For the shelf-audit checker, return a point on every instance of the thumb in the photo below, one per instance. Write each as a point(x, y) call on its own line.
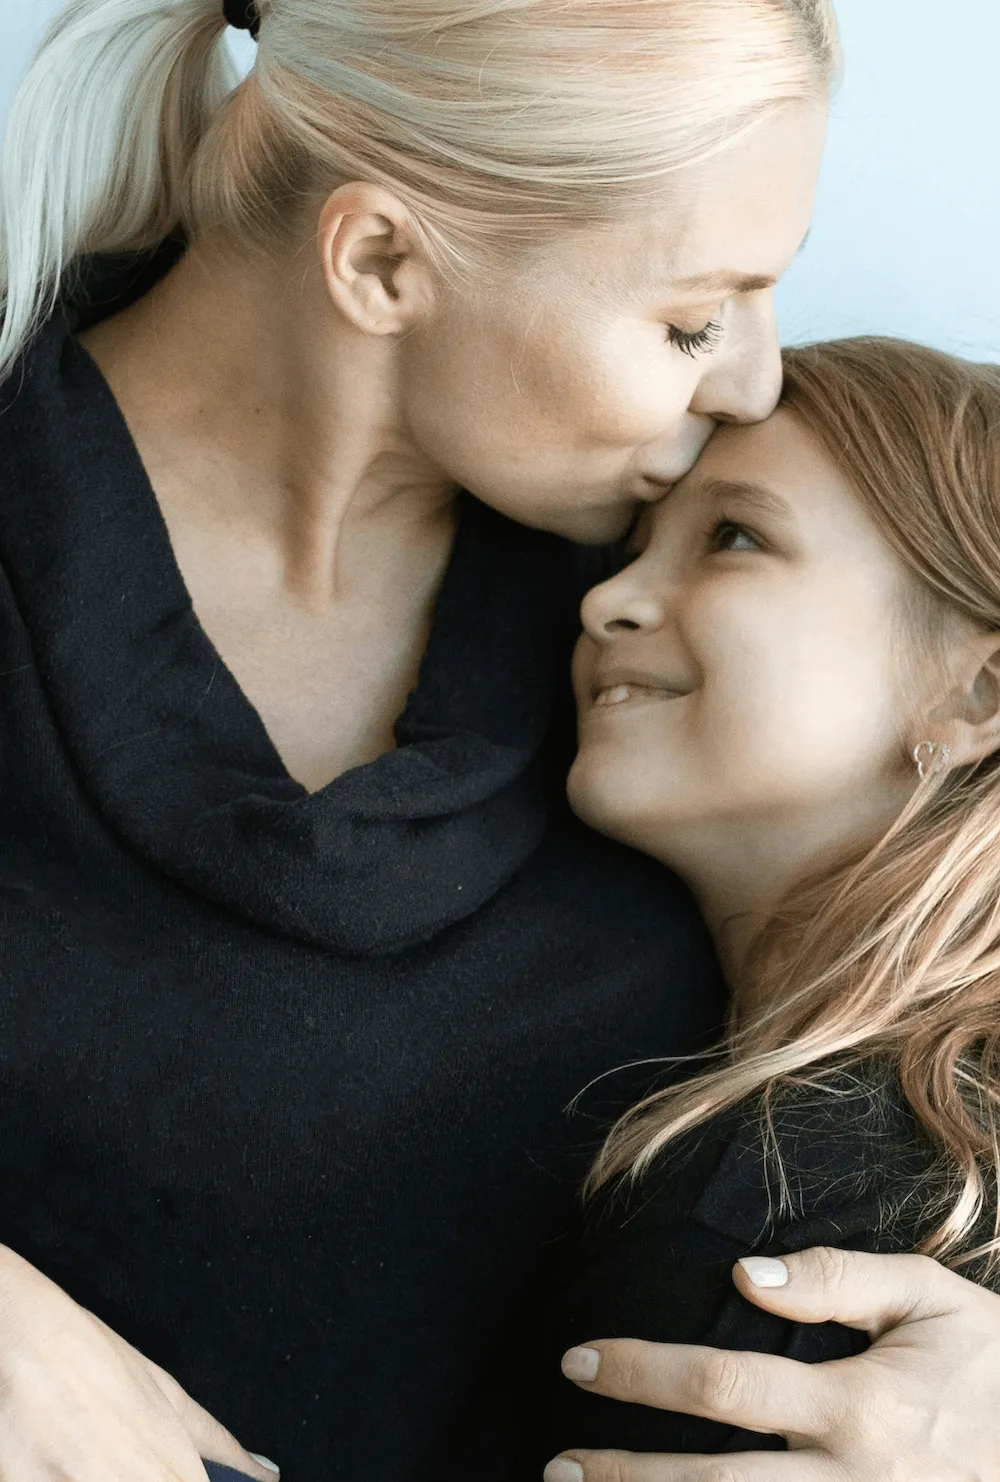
point(870, 1292)
point(210, 1439)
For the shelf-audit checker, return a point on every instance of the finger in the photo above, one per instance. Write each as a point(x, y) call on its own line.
point(870, 1292)
point(210, 1439)
point(756, 1391)
point(635, 1466)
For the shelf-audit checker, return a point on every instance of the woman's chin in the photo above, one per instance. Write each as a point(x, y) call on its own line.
point(600, 525)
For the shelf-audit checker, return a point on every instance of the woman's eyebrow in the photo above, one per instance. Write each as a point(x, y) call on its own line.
point(757, 495)
point(730, 282)
point(723, 282)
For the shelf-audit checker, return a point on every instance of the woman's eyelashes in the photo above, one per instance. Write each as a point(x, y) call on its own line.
point(696, 342)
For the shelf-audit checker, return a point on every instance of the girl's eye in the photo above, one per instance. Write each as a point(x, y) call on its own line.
point(700, 342)
point(728, 536)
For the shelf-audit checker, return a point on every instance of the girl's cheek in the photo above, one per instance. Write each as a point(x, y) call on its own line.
point(582, 666)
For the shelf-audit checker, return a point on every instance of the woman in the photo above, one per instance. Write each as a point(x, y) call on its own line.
point(792, 697)
point(303, 956)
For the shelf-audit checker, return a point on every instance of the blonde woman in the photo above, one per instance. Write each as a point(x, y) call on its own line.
point(792, 697)
point(302, 956)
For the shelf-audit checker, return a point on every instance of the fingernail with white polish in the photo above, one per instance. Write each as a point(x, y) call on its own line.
point(765, 1270)
point(562, 1470)
point(266, 1462)
point(581, 1364)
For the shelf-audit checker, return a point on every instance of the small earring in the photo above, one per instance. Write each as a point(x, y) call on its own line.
point(936, 753)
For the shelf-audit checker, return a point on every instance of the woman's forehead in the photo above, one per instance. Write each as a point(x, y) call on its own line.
point(734, 223)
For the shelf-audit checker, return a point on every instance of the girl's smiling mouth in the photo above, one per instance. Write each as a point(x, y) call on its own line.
point(618, 687)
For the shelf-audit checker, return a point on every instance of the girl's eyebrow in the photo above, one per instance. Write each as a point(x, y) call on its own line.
point(757, 495)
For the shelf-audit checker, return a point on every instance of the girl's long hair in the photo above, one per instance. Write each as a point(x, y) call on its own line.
point(495, 121)
point(891, 958)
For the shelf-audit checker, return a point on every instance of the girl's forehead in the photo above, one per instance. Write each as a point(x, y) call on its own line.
point(775, 470)
point(772, 455)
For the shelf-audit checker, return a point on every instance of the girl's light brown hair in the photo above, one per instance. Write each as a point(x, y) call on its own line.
point(894, 957)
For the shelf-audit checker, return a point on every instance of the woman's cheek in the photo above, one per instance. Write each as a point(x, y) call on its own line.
point(632, 389)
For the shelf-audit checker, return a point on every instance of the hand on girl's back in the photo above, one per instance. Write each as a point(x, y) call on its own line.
point(921, 1404)
point(79, 1404)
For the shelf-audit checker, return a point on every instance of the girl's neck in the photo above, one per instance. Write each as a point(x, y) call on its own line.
point(740, 873)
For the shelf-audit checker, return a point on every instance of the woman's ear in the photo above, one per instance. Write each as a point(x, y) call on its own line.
point(969, 720)
point(373, 261)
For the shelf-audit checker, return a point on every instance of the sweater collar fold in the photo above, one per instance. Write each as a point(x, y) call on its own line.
point(172, 753)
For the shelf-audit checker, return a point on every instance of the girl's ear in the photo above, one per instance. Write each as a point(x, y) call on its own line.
point(969, 720)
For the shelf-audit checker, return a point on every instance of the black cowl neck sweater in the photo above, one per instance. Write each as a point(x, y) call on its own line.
point(284, 1076)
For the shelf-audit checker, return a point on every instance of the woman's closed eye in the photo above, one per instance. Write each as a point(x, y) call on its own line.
point(695, 342)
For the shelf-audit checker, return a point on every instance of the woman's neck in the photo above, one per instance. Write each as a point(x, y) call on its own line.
point(311, 535)
point(242, 366)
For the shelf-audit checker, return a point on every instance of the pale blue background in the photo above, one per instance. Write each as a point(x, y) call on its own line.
point(907, 233)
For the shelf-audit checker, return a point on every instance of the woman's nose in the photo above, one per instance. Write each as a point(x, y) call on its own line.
point(620, 605)
point(744, 383)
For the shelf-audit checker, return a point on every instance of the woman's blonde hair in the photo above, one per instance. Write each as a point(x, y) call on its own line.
point(892, 958)
point(495, 121)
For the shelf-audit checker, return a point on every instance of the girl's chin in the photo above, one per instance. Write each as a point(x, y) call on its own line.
point(610, 800)
point(604, 807)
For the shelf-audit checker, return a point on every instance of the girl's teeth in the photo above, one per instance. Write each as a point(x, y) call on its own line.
point(616, 696)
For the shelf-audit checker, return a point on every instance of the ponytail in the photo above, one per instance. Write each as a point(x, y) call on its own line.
point(98, 142)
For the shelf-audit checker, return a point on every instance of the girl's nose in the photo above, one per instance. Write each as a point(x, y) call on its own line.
point(620, 605)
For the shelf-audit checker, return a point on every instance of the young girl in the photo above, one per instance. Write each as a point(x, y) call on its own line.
point(791, 696)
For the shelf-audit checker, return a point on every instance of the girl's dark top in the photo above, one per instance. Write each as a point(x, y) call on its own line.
point(284, 1077)
point(656, 1256)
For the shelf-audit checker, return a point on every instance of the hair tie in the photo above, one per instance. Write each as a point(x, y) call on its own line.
point(243, 15)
